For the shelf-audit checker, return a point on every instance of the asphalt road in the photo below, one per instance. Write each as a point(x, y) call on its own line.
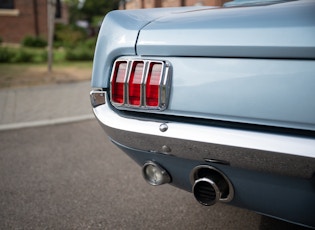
point(71, 177)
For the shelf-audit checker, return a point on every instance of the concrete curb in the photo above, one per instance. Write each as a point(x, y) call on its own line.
point(56, 121)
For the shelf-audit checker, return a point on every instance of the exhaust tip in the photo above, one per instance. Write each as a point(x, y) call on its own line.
point(154, 174)
point(206, 191)
point(210, 185)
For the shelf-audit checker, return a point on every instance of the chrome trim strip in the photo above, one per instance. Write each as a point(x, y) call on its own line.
point(144, 83)
point(288, 155)
point(165, 86)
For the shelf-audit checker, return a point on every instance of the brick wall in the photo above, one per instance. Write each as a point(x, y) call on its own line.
point(25, 19)
point(206, 2)
point(171, 3)
point(137, 4)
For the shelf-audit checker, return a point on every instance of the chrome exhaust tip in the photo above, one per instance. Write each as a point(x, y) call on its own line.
point(206, 191)
point(210, 185)
point(154, 174)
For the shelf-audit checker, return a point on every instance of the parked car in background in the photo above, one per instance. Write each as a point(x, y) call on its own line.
point(219, 102)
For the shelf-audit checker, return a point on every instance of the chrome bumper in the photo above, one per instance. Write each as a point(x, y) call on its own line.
point(266, 152)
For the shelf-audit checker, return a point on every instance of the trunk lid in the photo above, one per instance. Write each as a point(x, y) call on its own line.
point(245, 64)
point(284, 30)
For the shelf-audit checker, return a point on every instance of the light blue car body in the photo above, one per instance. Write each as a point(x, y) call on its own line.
point(253, 65)
point(248, 69)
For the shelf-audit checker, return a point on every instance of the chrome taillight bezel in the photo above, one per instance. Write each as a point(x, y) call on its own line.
point(164, 84)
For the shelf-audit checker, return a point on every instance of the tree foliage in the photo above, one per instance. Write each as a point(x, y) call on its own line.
point(96, 7)
point(89, 9)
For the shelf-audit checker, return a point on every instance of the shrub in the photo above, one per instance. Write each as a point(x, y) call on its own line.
point(68, 36)
point(5, 54)
point(90, 43)
point(43, 56)
point(39, 56)
point(30, 41)
point(21, 55)
point(79, 54)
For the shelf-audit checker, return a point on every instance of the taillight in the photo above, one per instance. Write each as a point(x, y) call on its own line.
point(140, 84)
point(135, 83)
point(118, 82)
point(152, 96)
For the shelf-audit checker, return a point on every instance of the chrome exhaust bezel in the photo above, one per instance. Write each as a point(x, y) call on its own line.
point(194, 178)
point(215, 188)
point(166, 176)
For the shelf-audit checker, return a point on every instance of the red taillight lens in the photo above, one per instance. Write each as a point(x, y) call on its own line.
point(118, 82)
point(153, 84)
point(134, 88)
point(140, 84)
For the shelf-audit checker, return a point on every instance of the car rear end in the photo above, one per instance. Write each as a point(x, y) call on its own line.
point(215, 101)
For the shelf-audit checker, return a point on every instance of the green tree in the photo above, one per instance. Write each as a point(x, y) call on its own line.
point(74, 11)
point(89, 9)
point(93, 8)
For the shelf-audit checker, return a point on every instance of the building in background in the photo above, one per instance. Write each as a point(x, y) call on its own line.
point(21, 18)
point(139, 4)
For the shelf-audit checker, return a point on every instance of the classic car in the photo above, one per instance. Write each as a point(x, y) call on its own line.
point(217, 101)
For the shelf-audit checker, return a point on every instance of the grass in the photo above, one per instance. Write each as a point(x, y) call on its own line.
point(36, 72)
point(31, 74)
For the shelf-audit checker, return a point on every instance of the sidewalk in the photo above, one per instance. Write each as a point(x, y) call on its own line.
point(43, 105)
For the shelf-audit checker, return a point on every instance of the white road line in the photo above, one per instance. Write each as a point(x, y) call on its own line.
point(55, 121)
